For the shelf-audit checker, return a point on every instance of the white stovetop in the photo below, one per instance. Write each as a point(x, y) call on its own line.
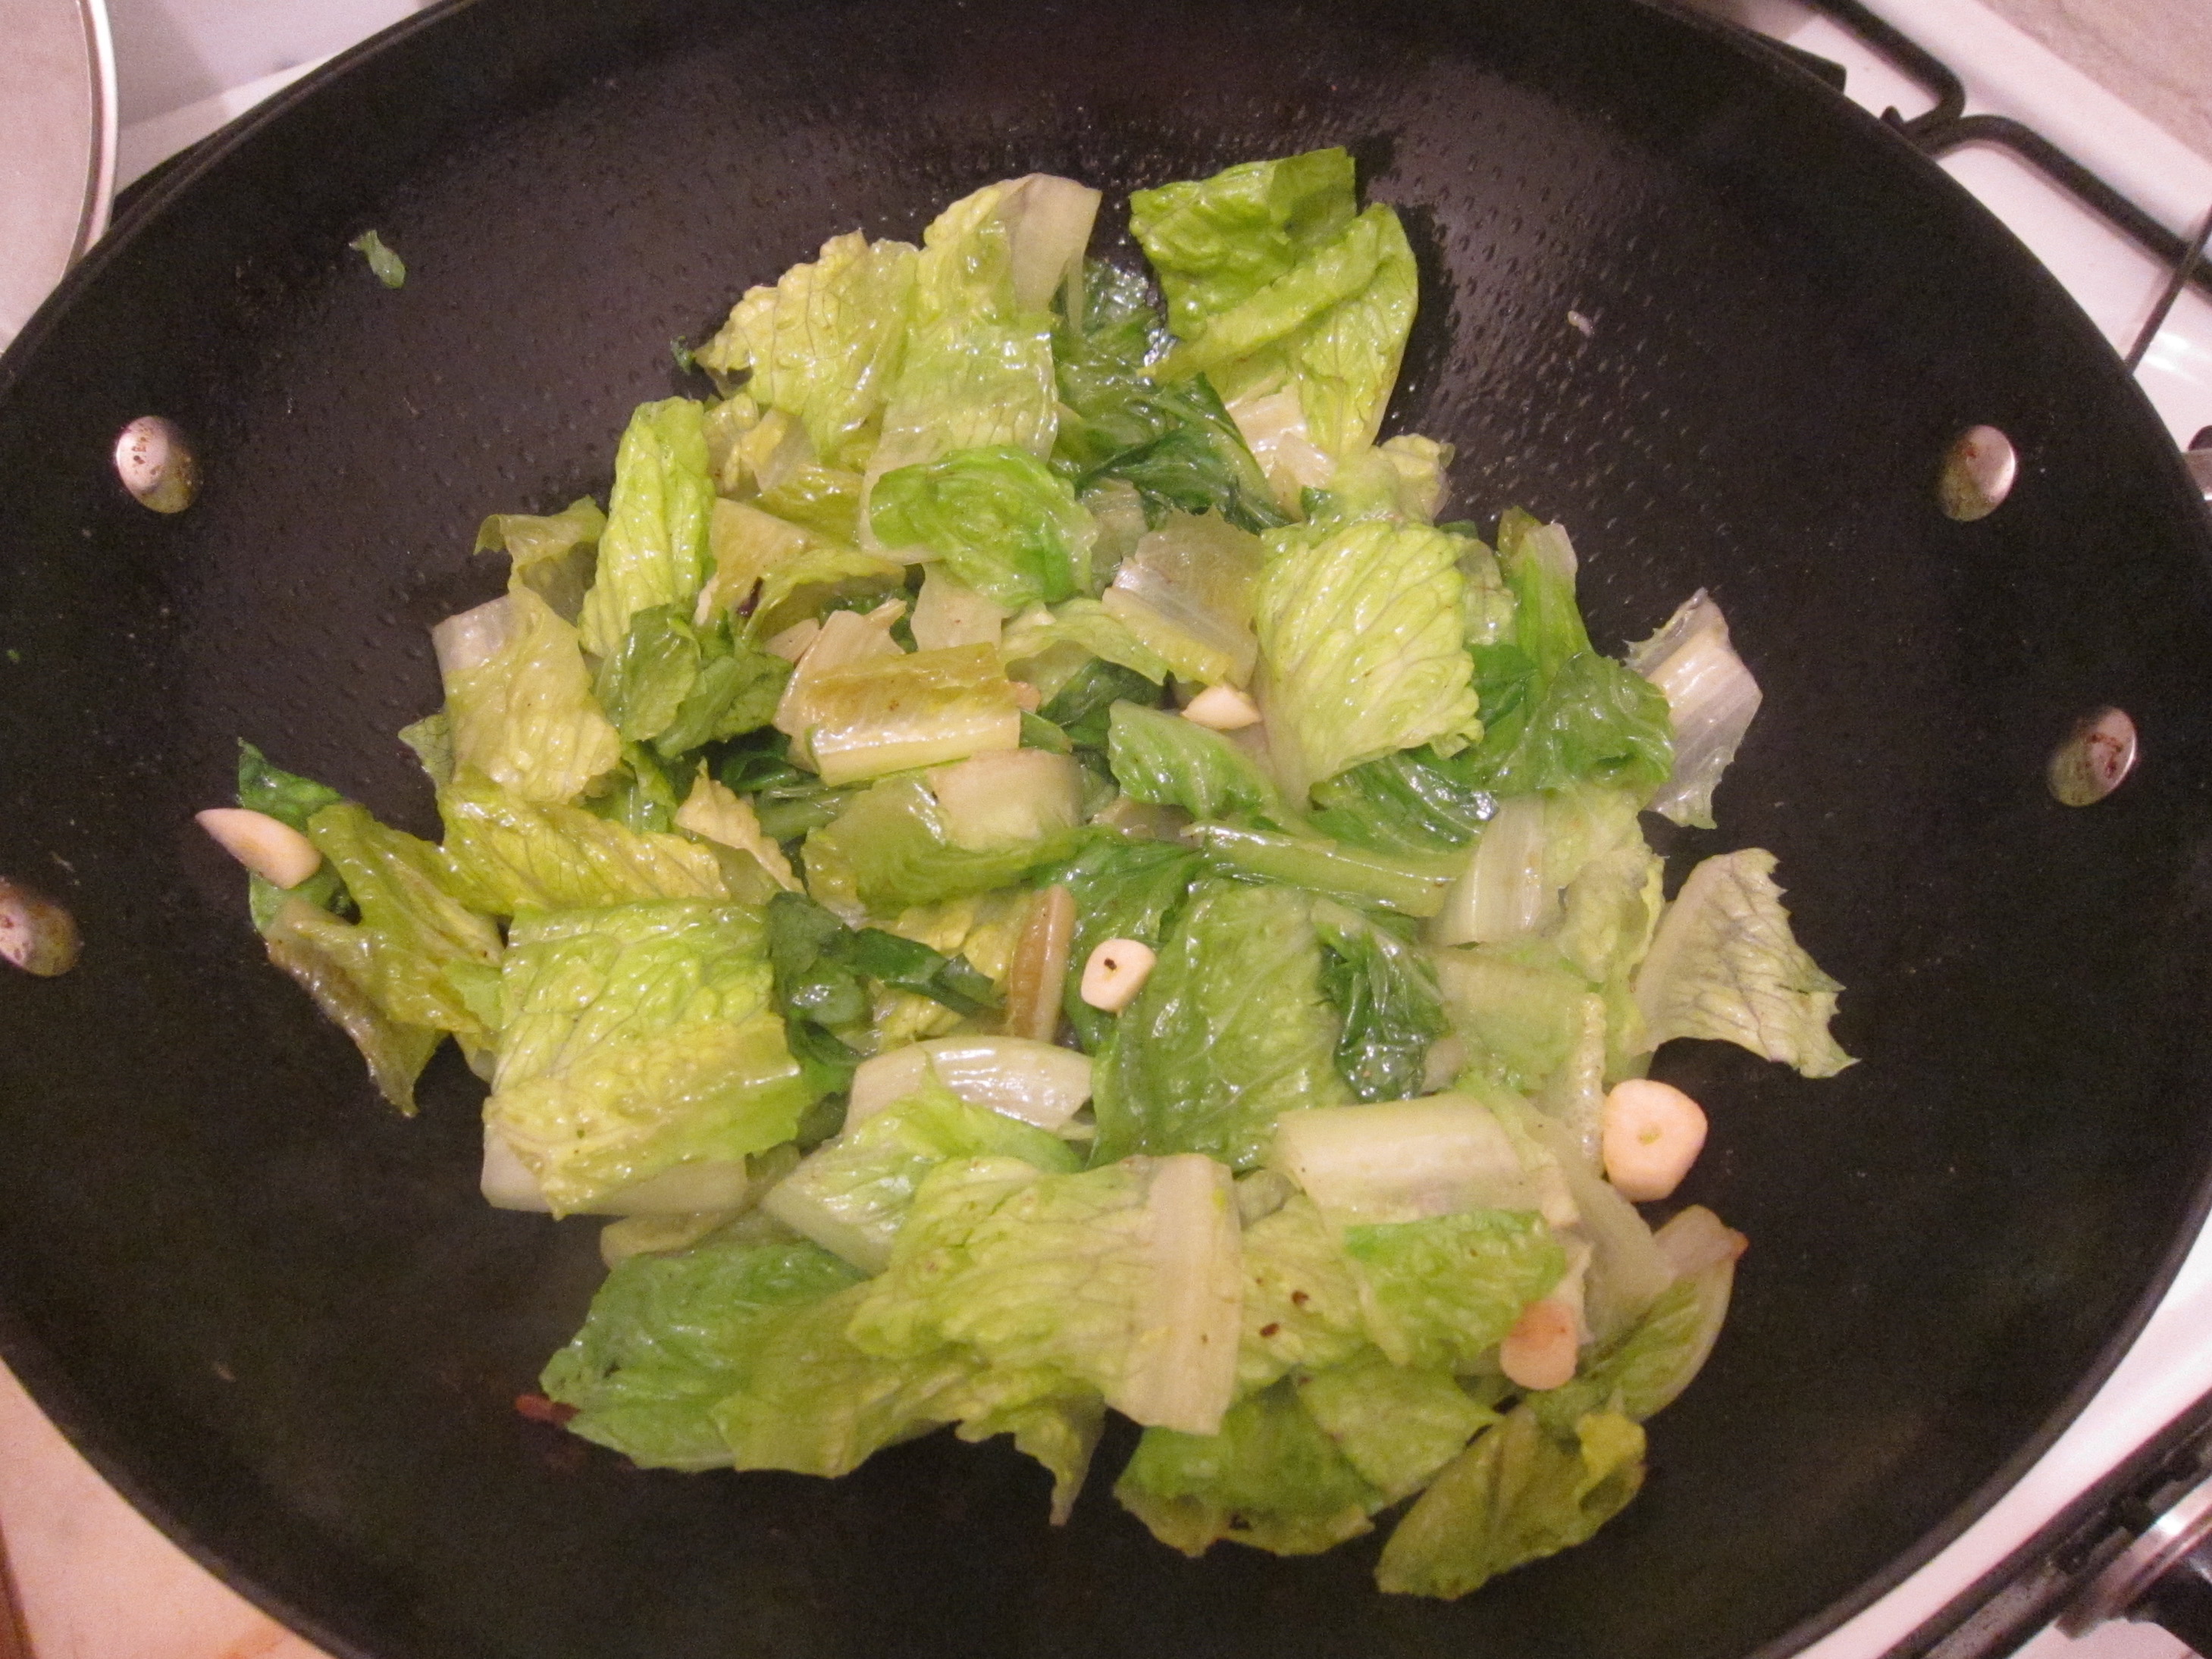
point(98, 1581)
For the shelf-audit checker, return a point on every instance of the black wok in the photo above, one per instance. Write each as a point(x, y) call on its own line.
point(280, 1319)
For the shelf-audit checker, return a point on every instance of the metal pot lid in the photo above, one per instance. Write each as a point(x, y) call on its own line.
point(56, 145)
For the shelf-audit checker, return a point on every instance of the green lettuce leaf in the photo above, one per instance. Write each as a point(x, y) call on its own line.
point(654, 551)
point(1386, 990)
point(1518, 1008)
point(1001, 522)
point(335, 962)
point(1302, 1297)
point(669, 1336)
point(1124, 1279)
point(892, 713)
point(1517, 1495)
point(551, 554)
point(1185, 592)
point(635, 1037)
point(1414, 802)
point(519, 699)
point(1231, 1029)
point(1554, 711)
point(292, 799)
point(889, 847)
point(507, 855)
point(1082, 627)
point(1122, 889)
point(425, 948)
point(1725, 965)
point(1438, 1294)
point(1397, 1427)
point(1166, 761)
point(1083, 706)
point(1273, 279)
point(1412, 886)
point(678, 686)
point(1272, 1478)
point(1175, 444)
point(1645, 1369)
point(1360, 633)
point(826, 343)
point(852, 1195)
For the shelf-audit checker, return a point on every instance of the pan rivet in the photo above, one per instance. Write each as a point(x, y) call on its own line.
point(157, 464)
point(36, 933)
point(1979, 471)
point(2097, 755)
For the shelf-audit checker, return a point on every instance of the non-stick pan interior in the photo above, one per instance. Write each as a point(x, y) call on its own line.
point(283, 1319)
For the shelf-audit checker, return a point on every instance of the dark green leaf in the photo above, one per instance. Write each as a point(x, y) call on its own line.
point(1122, 890)
point(1414, 801)
point(1387, 993)
point(1080, 707)
point(285, 796)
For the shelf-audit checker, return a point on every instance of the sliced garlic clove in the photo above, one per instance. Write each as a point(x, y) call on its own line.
point(1222, 709)
point(1650, 1133)
point(1540, 1352)
point(1116, 972)
point(273, 849)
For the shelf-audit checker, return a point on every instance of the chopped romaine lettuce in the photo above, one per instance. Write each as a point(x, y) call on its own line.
point(654, 551)
point(892, 714)
point(1397, 1427)
point(889, 847)
point(551, 554)
point(508, 855)
point(1414, 801)
point(334, 962)
point(1000, 518)
point(1185, 592)
point(1439, 1294)
point(1122, 889)
point(1724, 964)
point(1712, 696)
point(290, 800)
point(1230, 1030)
point(1386, 991)
point(519, 699)
point(1361, 632)
point(1167, 760)
point(1302, 1297)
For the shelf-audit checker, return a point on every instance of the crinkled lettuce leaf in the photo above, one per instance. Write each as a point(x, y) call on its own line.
point(1360, 633)
point(1302, 1297)
point(889, 847)
point(519, 699)
point(1385, 989)
point(1173, 442)
point(654, 551)
point(998, 518)
point(824, 344)
point(1165, 760)
point(851, 1194)
point(1273, 1479)
point(508, 855)
point(1397, 1427)
point(551, 554)
point(1274, 279)
point(335, 962)
point(1438, 1293)
point(1414, 802)
point(1231, 1029)
point(668, 1336)
point(678, 686)
point(1724, 964)
point(1517, 1495)
point(1122, 889)
point(635, 1037)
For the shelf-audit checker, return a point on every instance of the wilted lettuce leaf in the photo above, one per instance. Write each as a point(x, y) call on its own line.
point(1231, 1029)
point(1272, 1478)
point(1174, 443)
point(866, 718)
point(977, 369)
point(1515, 1495)
point(1554, 711)
point(1273, 279)
point(668, 1336)
point(523, 715)
point(1437, 1293)
point(507, 855)
point(851, 1194)
point(551, 554)
point(678, 686)
point(1644, 1369)
point(1519, 1009)
point(423, 941)
point(1122, 889)
point(1397, 1427)
point(1724, 964)
point(1361, 636)
point(1302, 1297)
point(1107, 1277)
point(289, 799)
point(889, 848)
point(1412, 885)
point(1081, 626)
point(654, 551)
point(1386, 990)
point(335, 962)
point(1186, 592)
point(1083, 706)
point(635, 1037)
point(1000, 520)
point(1414, 801)
point(826, 343)
point(1165, 760)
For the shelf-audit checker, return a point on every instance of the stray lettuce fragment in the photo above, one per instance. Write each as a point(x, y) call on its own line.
point(519, 701)
point(1231, 1029)
point(1273, 1479)
point(1001, 521)
point(1166, 761)
point(389, 268)
point(851, 1195)
point(1712, 696)
point(1386, 990)
point(1126, 1279)
point(636, 1037)
point(551, 554)
point(654, 551)
point(1361, 631)
point(1724, 964)
point(1517, 1495)
point(1275, 281)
